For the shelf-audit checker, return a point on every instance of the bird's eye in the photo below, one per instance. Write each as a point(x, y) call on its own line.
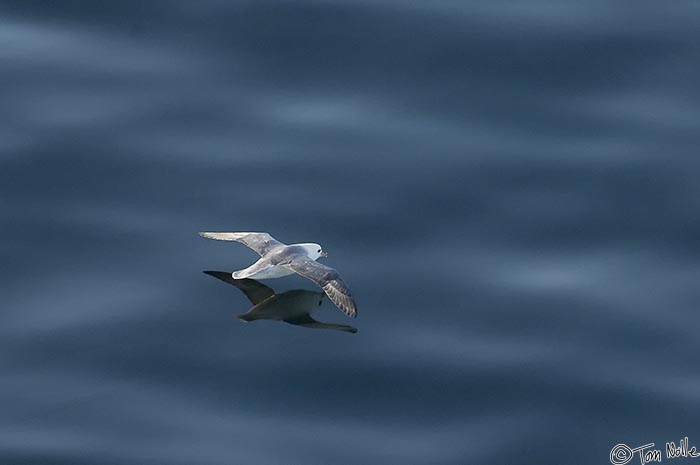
point(319, 250)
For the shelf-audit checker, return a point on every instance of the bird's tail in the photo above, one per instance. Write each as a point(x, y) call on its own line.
point(247, 317)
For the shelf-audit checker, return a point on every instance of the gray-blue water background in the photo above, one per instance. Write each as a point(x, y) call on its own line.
point(509, 188)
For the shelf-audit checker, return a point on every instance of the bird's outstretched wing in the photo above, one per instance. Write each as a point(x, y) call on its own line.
point(326, 277)
point(255, 291)
point(308, 322)
point(258, 241)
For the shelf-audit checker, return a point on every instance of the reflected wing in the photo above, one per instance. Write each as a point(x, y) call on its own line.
point(308, 322)
point(329, 280)
point(255, 291)
point(258, 241)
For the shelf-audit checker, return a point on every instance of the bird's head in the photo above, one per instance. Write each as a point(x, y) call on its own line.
point(314, 251)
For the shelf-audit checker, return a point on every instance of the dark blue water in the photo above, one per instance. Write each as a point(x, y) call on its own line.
point(509, 189)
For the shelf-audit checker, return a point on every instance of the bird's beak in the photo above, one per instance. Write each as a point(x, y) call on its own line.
point(324, 254)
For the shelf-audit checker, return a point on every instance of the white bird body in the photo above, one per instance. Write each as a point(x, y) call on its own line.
point(278, 260)
point(267, 273)
point(272, 266)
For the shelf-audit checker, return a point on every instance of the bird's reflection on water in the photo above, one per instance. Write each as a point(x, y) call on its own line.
point(293, 307)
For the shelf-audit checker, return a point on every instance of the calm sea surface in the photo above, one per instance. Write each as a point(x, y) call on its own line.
point(510, 189)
